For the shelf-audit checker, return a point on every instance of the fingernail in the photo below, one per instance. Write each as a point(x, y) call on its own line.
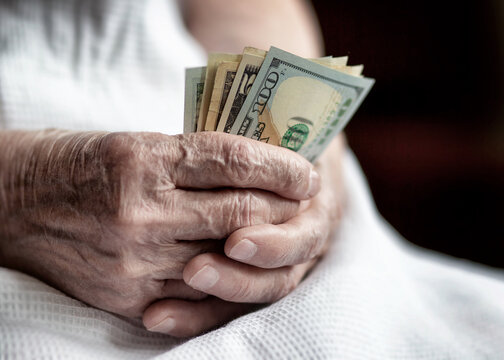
point(244, 250)
point(165, 326)
point(204, 279)
point(314, 186)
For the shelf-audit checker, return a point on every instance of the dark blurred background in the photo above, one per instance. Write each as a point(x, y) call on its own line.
point(430, 135)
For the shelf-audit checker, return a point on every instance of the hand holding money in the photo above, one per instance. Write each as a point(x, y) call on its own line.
point(264, 262)
point(275, 97)
point(127, 225)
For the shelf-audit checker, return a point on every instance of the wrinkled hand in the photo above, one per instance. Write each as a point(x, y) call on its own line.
point(264, 262)
point(113, 218)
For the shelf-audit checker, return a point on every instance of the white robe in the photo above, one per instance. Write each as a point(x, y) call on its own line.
point(118, 65)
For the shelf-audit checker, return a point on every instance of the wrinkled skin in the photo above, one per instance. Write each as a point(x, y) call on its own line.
point(113, 218)
point(285, 253)
point(125, 221)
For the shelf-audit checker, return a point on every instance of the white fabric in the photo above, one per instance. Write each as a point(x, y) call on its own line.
point(93, 64)
point(372, 297)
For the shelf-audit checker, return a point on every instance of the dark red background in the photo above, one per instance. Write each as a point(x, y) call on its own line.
point(430, 136)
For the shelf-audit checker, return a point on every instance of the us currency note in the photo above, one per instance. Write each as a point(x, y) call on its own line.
point(298, 104)
point(249, 67)
point(213, 62)
point(195, 79)
point(224, 77)
point(194, 83)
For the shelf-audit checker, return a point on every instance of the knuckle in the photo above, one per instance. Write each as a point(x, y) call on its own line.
point(184, 152)
point(198, 152)
point(240, 159)
point(119, 154)
point(289, 209)
point(119, 149)
point(278, 253)
point(134, 175)
point(298, 176)
point(241, 212)
point(248, 209)
point(281, 257)
point(97, 165)
point(276, 210)
point(241, 291)
point(128, 269)
point(295, 174)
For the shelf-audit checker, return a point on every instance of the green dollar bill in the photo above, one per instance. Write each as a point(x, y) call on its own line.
point(249, 67)
point(298, 104)
point(224, 77)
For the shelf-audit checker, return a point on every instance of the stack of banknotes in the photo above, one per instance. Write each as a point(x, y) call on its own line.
point(275, 97)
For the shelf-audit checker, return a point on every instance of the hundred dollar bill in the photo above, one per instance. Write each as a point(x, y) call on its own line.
point(249, 67)
point(224, 77)
point(194, 81)
point(213, 62)
point(298, 104)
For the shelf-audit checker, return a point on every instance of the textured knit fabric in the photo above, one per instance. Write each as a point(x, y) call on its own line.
point(118, 65)
point(93, 64)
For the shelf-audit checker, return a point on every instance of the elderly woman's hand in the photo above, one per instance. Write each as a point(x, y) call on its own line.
point(113, 218)
point(264, 262)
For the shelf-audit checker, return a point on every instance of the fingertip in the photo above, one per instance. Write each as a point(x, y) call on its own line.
point(183, 319)
point(165, 326)
point(243, 250)
point(193, 266)
point(256, 246)
point(200, 273)
point(172, 317)
point(158, 319)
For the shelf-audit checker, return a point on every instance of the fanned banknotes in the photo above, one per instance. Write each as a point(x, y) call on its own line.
point(275, 97)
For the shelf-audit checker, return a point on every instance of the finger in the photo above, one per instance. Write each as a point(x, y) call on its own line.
point(185, 318)
point(300, 239)
point(213, 159)
point(216, 214)
point(233, 281)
